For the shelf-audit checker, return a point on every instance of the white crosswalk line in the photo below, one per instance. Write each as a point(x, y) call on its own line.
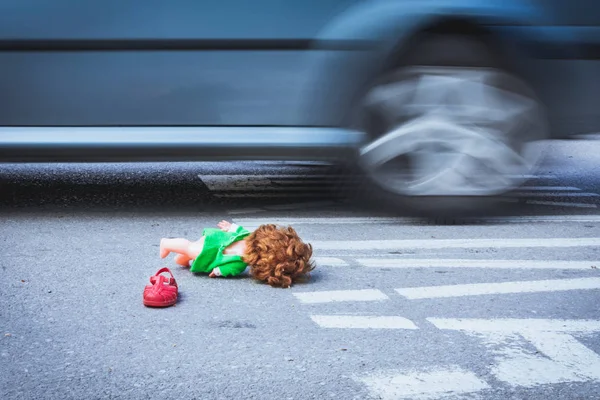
point(531, 177)
point(430, 384)
point(537, 194)
point(559, 357)
point(250, 210)
point(253, 223)
point(269, 186)
point(549, 189)
point(341, 295)
point(363, 322)
point(330, 262)
point(562, 204)
point(402, 263)
point(476, 289)
point(259, 182)
point(299, 206)
point(513, 325)
point(497, 243)
point(282, 195)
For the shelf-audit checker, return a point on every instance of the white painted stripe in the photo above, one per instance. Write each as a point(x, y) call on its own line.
point(566, 351)
point(559, 357)
point(561, 194)
point(358, 245)
point(470, 263)
point(300, 206)
point(303, 194)
point(325, 221)
point(476, 289)
point(245, 211)
point(408, 220)
point(363, 322)
point(561, 204)
point(432, 384)
point(296, 162)
point(262, 182)
point(333, 262)
point(279, 207)
point(341, 295)
point(549, 188)
point(274, 190)
point(545, 176)
point(540, 218)
point(515, 325)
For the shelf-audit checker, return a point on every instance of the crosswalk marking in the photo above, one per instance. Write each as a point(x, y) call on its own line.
point(245, 182)
point(308, 186)
point(559, 356)
point(282, 195)
point(562, 204)
point(471, 263)
point(475, 289)
point(249, 210)
point(261, 182)
point(429, 384)
point(514, 325)
point(331, 261)
point(270, 186)
point(523, 353)
point(569, 361)
point(305, 205)
point(363, 322)
point(531, 176)
point(536, 194)
point(341, 295)
point(550, 189)
point(299, 206)
point(253, 223)
point(325, 220)
point(498, 243)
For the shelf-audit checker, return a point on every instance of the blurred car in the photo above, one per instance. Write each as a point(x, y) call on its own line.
point(432, 99)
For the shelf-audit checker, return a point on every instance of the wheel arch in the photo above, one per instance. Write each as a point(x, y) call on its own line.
point(394, 28)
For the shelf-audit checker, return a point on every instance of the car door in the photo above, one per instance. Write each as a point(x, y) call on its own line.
point(571, 62)
point(157, 62)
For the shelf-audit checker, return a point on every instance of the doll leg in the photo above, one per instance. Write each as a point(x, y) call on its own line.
point(183, 260)
point(181, 246)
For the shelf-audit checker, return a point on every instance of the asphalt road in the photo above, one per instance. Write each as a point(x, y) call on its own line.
point(513, 315)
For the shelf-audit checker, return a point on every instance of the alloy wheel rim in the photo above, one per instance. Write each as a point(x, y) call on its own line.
point(445, 131)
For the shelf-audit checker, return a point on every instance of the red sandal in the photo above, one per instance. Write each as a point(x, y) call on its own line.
point(163, 290)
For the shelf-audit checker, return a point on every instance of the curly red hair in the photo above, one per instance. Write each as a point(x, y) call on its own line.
point(277, 255)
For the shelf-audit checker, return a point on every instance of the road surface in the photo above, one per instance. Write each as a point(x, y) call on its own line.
point(499, 307)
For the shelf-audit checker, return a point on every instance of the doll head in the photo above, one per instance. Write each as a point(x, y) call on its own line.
point(277, 255)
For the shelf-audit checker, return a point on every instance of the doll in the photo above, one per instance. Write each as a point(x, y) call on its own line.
point(276, 255)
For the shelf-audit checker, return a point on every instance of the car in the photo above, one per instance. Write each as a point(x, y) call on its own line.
point(434, 100)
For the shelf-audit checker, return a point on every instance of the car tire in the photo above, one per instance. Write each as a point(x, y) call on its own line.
point(450, 129)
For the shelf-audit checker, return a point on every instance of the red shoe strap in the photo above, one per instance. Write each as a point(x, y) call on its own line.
point(164, 269)
point(169, 280)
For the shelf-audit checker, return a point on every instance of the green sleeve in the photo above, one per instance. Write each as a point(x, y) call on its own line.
point(232, 268)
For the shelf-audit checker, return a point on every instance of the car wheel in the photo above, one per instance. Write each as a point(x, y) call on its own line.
point(450, 127)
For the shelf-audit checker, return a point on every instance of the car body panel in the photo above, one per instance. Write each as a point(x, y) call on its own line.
point(265, 63)
point(152, 143)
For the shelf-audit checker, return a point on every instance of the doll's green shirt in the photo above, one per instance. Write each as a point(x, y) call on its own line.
point(211, 257)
